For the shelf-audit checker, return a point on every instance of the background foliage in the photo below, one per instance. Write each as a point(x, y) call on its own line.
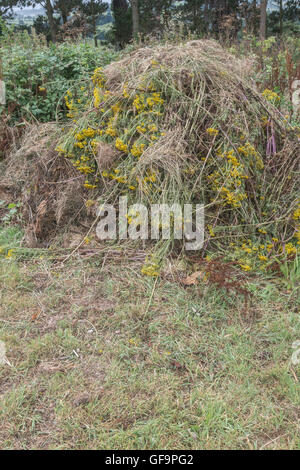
point(37, 76)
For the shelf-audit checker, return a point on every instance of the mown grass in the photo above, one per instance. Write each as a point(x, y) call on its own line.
point(104, 358)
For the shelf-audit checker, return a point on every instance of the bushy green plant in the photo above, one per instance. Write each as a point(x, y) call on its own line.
point(276, 60)
point(37, 76)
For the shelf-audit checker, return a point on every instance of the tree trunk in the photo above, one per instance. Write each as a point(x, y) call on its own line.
point(263, 19)
point(254, 17)
point(50, 16)
point(206, 14)
point(64, 17)
point(213, 14)
point(94, 31)
point(119, 5)
point(281, 16)
point(135, 17)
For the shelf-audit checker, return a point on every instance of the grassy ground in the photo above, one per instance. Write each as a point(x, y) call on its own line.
point(104, 358)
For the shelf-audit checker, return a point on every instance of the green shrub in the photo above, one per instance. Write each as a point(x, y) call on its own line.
point(37, 76)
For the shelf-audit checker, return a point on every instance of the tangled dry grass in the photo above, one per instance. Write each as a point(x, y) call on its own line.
point(49, 187)
point(177, 123)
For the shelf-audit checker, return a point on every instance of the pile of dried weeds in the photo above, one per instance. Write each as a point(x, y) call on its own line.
point(48, 186)
point(178, 123)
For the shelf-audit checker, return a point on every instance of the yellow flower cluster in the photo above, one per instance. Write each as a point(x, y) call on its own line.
point(97, 97)
point(70, 105)
point(249, 151)
point(141, 103)
point(289, 249)
point(85, 164)
point(231, 198)
point(270, 95)
point(151, 267)
point(111, 129)
point(85, 169)
point(191, 170)
point(59, 149)
point(98, 78)
point(87, 185)
point(9, 254)
point(228, 182)
point(137, 149)
point(211, 231)
point(115, 175)
point(296, 215)
point(141, 129)
point(212, 131)
point(112, 122)
point(251, 254)
point(89, 132)
point(120, 145)
point(125, 91)
point(246, 267)
point(151, 177)
point(99, 81)
point(155, 99)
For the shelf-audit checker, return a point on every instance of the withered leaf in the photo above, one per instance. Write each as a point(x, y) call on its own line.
point(194, 278)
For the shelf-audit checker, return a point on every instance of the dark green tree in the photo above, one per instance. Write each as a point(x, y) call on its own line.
point(212, 16)
point(155, 14)
point(286, 17)
point(122, 29)
point(250, 12)
point(263, 19)
point(192, 13)
point(41, 26)
point(135, 17)
point(6, 8)
point(292, 10)
point(65, 8)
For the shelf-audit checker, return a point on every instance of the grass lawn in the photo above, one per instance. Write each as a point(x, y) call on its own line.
point(102, 357)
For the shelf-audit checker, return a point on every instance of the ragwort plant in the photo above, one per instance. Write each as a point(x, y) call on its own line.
point(186, 124)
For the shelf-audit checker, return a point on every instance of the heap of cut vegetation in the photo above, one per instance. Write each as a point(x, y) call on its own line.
point(186, 123)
